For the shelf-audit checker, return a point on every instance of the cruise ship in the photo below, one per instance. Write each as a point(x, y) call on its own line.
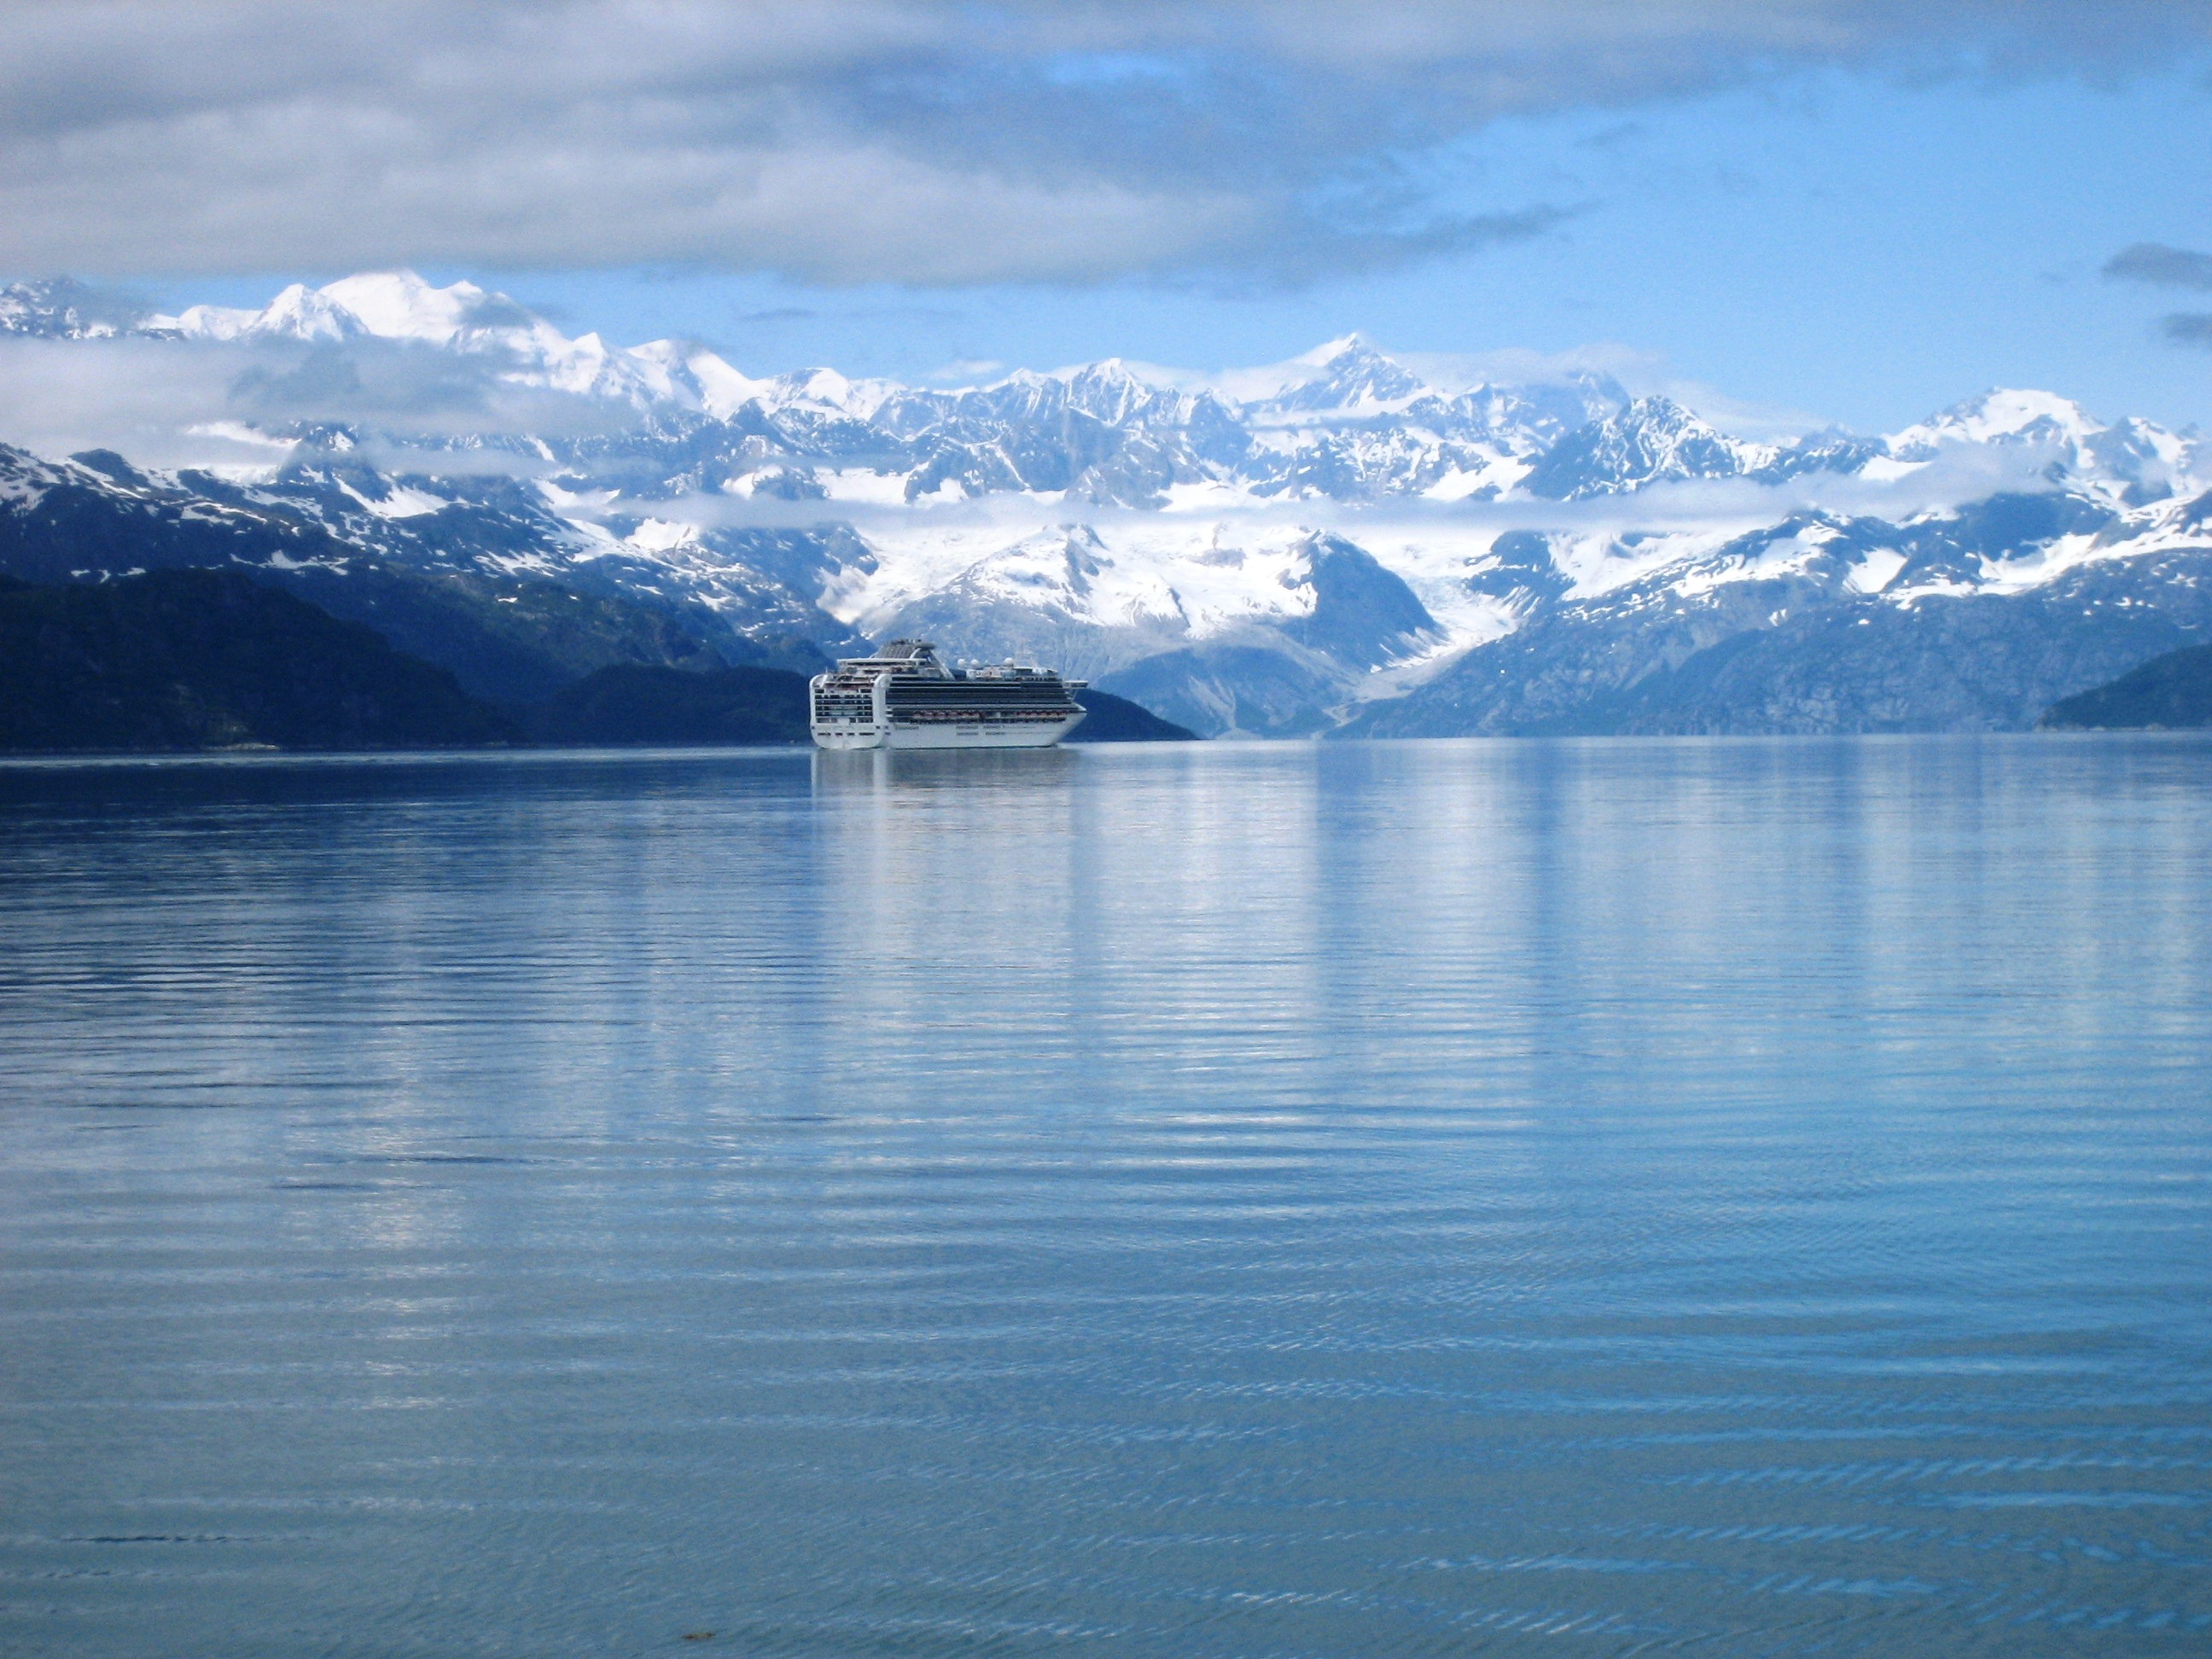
point(906, 696)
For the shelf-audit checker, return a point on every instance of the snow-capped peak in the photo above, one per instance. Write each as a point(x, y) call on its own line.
point(817, 389)
point(1653, 439)
point(1329, 353)
point(2005, 414)
point(1345, 420)
point(1114, 392)
point(681, 373)
point(398, 305)
point(2140, 458)
point(307, 313)
point(207, 323)
point(1347, 377)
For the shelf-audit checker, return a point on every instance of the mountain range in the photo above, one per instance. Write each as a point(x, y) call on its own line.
point(1351, 541)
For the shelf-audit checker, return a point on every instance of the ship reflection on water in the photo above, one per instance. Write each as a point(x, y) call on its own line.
point(866, 770)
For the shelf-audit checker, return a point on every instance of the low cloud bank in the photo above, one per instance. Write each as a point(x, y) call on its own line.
point(1951, 480)
point(172, 403)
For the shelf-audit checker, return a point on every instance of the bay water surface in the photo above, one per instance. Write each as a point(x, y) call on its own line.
point(1589, 1197)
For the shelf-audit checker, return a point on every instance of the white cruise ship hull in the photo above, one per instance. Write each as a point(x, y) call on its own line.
point(908, 697)
point(950, 734)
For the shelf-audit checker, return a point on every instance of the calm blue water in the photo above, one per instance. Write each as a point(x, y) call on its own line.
point(1580, 1198)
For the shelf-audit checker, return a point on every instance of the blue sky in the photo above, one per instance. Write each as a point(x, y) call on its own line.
point(1846, 247)
point(1855, 210)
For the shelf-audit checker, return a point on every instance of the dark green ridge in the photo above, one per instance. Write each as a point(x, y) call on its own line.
point(188, 659)
point(632, 703)
point(196, 659)
point(2168, 692)
point(1109, 718)
point(506, 640)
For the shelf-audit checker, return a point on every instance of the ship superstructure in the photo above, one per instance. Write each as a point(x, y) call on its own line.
point(906, 696)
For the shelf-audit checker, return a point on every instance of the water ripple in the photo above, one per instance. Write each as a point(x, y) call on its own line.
point(1275, 1202)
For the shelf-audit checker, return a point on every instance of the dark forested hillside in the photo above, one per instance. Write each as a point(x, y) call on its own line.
point(195, 660)
point(2174, 691)
point(506, 640)
point(1109, 718)
point(636, 704)
point(184, 659)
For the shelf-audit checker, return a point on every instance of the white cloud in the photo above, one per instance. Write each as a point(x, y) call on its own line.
point(921, 141)
point(134, 396)
point(170, 403)
point(1720, 506)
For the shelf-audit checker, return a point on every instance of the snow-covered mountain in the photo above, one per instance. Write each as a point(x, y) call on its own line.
point(1334, 539)
point(1976, 617)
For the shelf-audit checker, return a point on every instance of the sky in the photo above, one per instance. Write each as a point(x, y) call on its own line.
point(1789, 211)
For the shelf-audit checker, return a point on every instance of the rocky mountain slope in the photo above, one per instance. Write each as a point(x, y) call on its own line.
point(1348, 541)
point(514, 637)
point(1974, 619)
